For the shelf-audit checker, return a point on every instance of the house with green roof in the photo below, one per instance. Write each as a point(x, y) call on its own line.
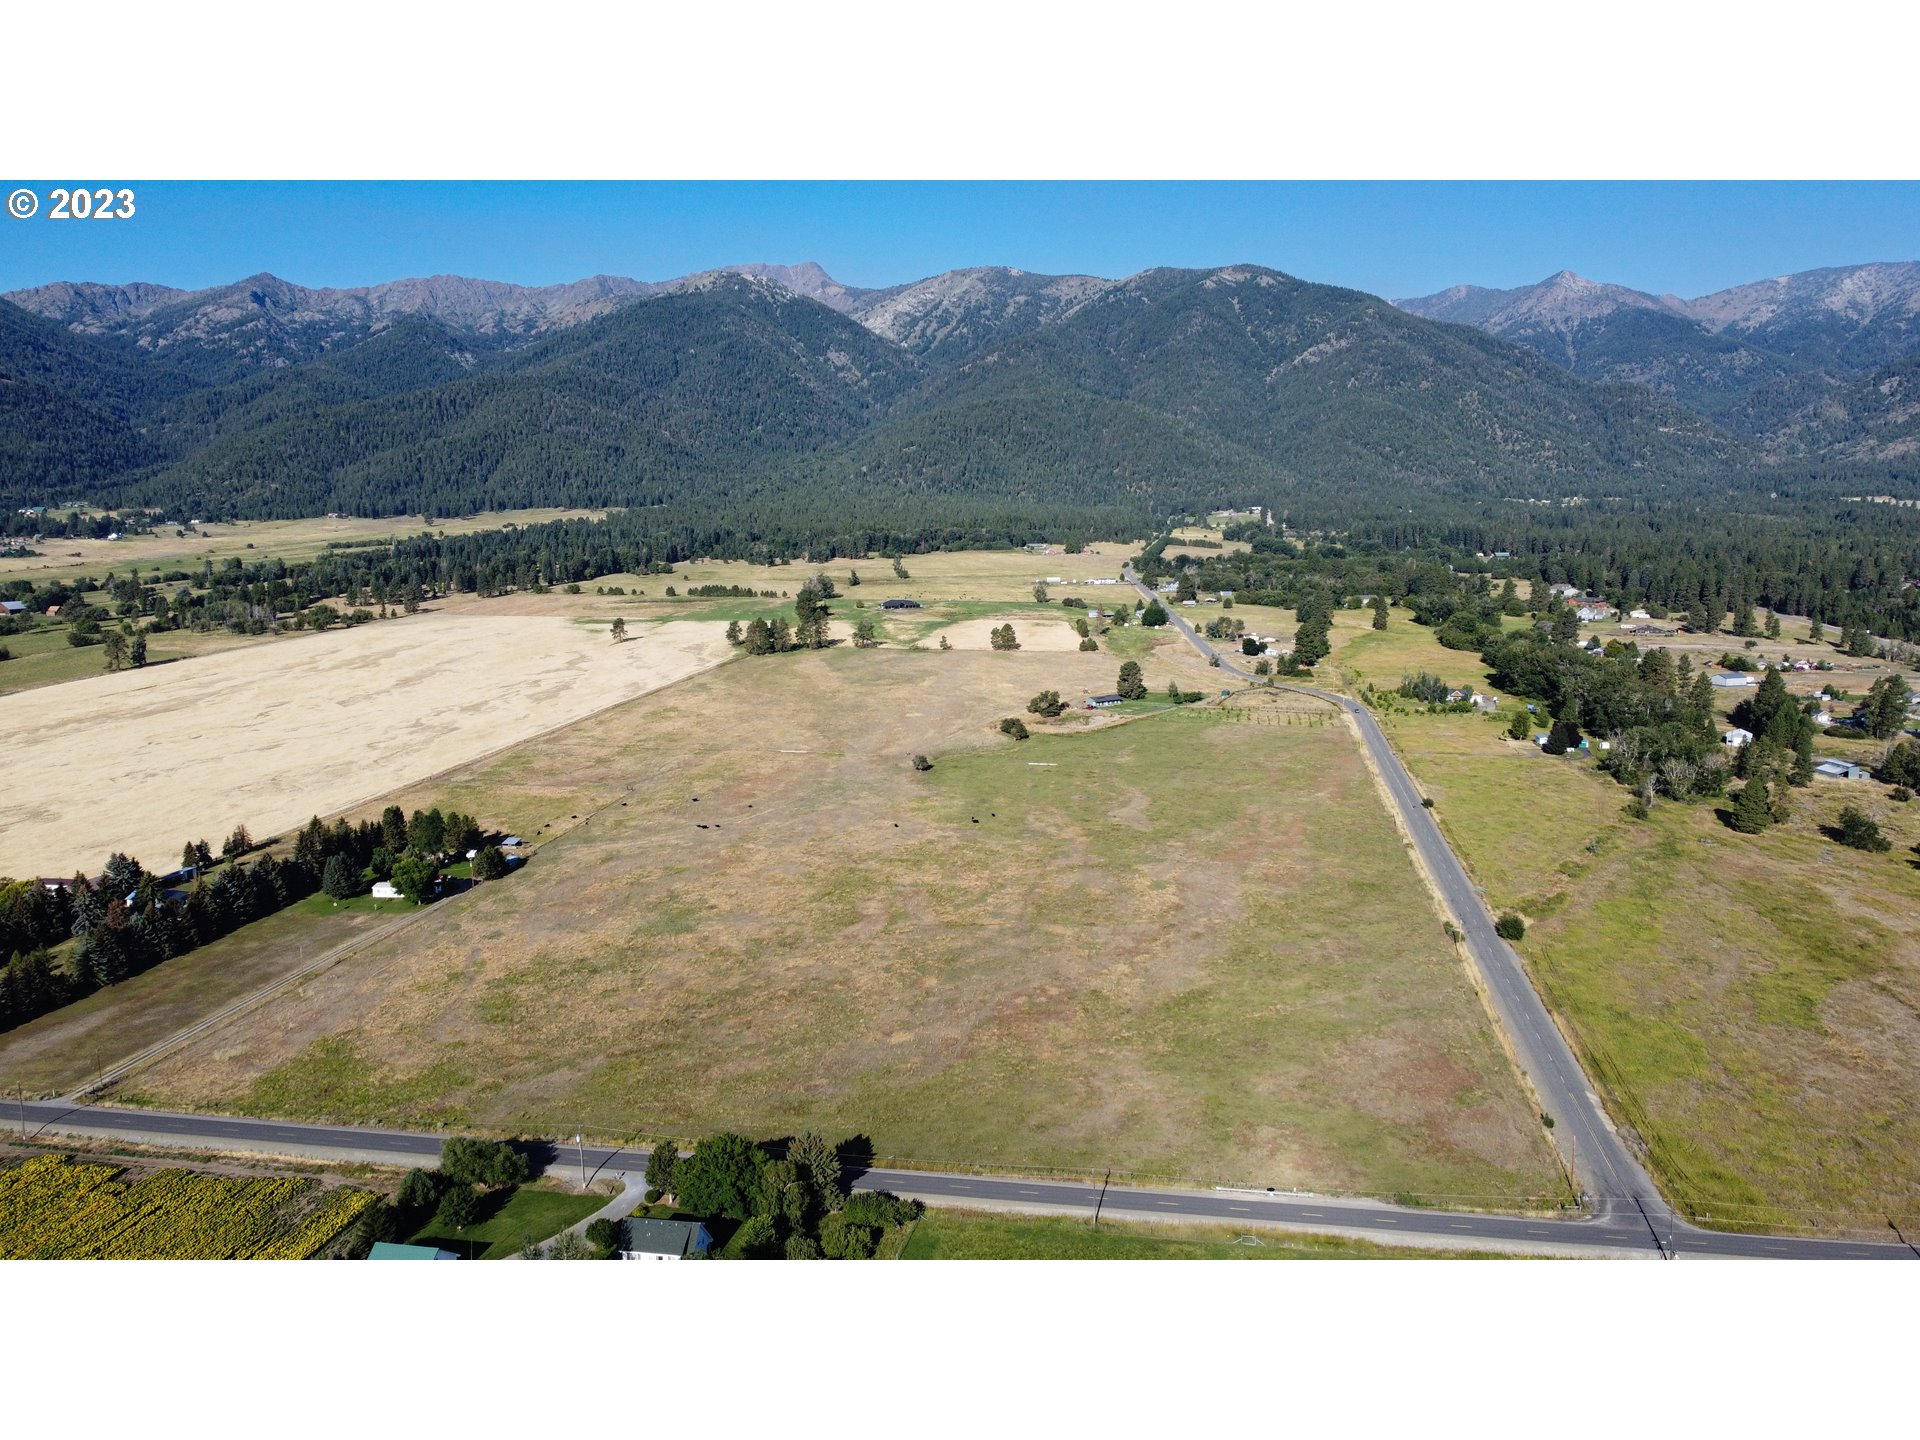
point(665, 1240)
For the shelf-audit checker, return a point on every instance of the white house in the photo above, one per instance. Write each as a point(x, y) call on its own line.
point(665, 1240)
point(386, 890)
point(1593, 612)
point(1737, 737)
point(1638, 615)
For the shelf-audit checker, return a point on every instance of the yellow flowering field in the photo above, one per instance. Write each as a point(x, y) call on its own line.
point(53, 1207)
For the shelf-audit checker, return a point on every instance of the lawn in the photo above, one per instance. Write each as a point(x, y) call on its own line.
point(1751, 1004)
point(508, 1222)
point(967, 1235)
point(1176, 946)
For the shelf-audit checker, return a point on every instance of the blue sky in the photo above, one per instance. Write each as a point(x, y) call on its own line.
point(1392, 239)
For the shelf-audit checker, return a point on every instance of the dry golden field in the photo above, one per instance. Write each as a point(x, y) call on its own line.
point(1189, 944)
point(266, 735)
point(248, 539)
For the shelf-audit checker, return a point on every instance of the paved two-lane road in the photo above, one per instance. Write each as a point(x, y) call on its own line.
point(1606, 1171)
point(1604, 1235)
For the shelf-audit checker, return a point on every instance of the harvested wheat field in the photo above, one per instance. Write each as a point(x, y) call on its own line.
point(144, 760)
point(1033, 632)
point(1184, 945)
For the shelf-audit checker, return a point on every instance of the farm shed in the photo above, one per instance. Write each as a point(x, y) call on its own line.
point(1840, 770)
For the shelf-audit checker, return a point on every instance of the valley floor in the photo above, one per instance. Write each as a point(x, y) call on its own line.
point(1185, 945)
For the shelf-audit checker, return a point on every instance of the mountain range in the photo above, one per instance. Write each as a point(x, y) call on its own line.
point(778, 386)
point(1775, 361)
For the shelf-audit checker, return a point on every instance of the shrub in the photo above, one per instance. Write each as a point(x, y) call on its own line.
point(1858, 830)
point(878, 1208)
point(1510, 927)
point(606, 1234)
point(845, 1239)
point(921, 762)
point(756, 1239)
point(420, 1191)
point(458, 1209)
point(1013, 725)
point(1902, 794)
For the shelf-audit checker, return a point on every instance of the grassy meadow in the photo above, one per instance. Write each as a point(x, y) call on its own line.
point(1183, 945)
point(1750, 1003)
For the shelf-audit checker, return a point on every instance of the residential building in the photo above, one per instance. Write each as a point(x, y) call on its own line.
point(389, 1250)
point(1737, 737)
point(1102, 702)
point(665, 1240)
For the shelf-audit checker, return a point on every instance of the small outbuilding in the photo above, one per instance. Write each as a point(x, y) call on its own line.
point(1103, 702)
point(1735, 681)
point(14, 607)
point(665, 1240)
point(1737, 737)
point(898, 604)
point(1840, 770)
point(386, 890)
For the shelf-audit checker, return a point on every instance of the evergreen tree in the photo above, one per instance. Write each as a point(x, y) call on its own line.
point(1884, 712)
point(759, 638)
point(1752, 809)
point(619, 629)
point(1520, 726)
point(734, 636)
point(340, 880)
point(1132, 686)
point(1380, 608)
